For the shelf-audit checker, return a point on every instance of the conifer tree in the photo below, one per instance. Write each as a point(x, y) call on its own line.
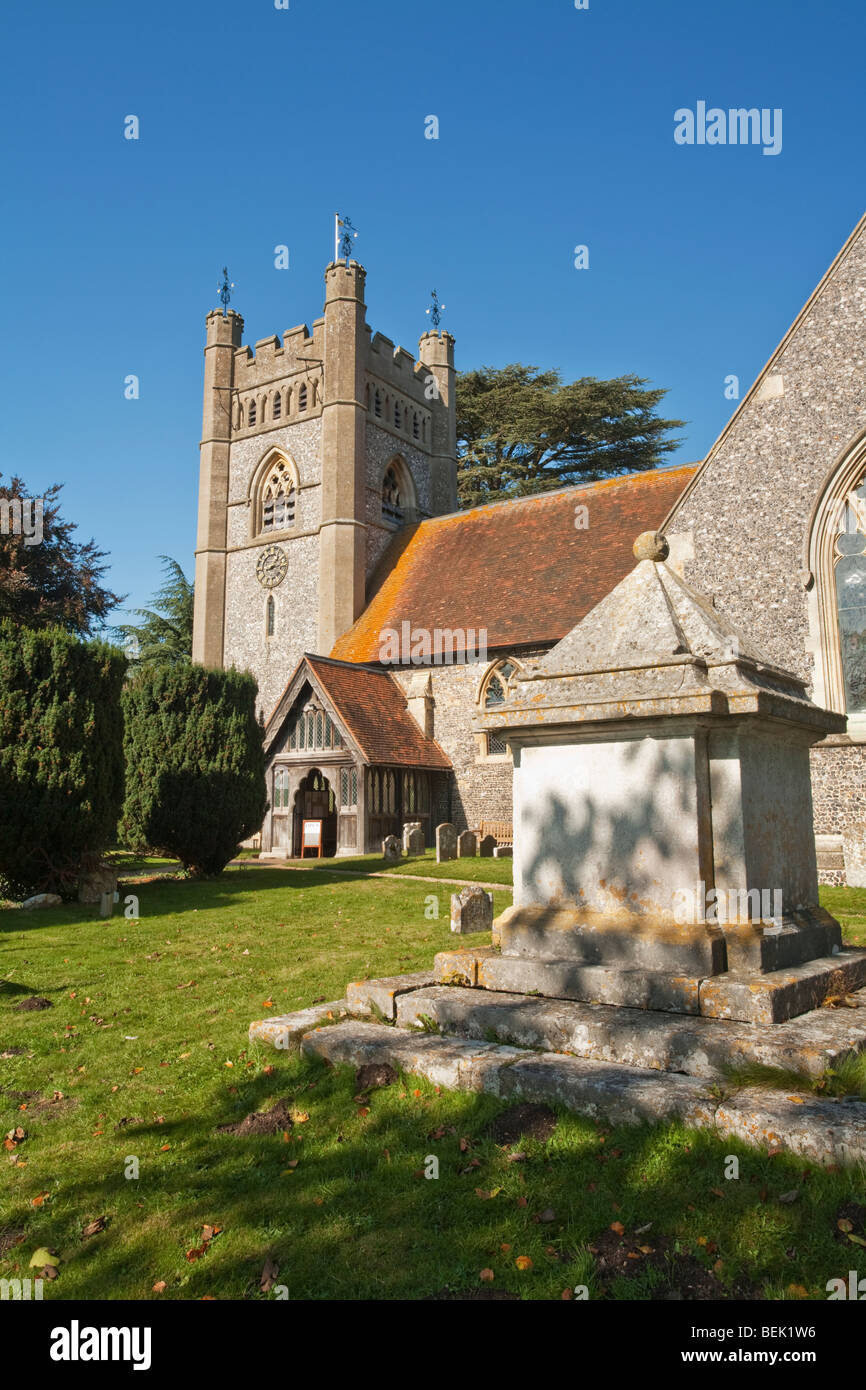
point(522, 431)
point(61, 756)
point(195, 770)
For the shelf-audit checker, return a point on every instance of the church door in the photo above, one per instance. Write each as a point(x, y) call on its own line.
point(315, 800)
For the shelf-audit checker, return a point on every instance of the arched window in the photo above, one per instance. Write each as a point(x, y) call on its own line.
point(494, 692)
point(270, 613)
point(837, 602)
point(278, 406)
point(392, 501)
point(274, 504)
point(377, 404)
point(251, 413)
point(302, 398)
point(849, 566)
point(397, 414)
point(416, 430)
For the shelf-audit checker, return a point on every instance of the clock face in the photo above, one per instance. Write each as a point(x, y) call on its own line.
point(271, 567)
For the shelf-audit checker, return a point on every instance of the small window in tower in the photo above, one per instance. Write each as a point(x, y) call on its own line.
point(315, 394)
point(392, 502)
point(302, 398)
point(251, 415)
point(269, 621)
point(397, 415)
point(496, 745)
point(377, 405)
point(416, 429)
point(278, 406)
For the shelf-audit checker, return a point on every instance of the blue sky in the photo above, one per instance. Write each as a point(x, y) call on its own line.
point(257, 124)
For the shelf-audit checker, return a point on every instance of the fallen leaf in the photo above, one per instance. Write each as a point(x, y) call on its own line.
point(798, 1291)
point(487, 1196)
point(94, 1227)
point(858, 1240)
point(505, 1247)
point(38, 1200)
point(797, 1100)
point(788, 1197)
point(160, 1286)
point(717, 1192)
point(487, 1276)
point(845, 1225)
point(523, 1262)
point(267, 1004)
point(522, 1201)
point(48, 1272)
point(566, 1295)
point(646, 1249)
point(618, 1227)
point(515, 1158)
point(464, 1145)
point(42, 1257)
point(164, 1148)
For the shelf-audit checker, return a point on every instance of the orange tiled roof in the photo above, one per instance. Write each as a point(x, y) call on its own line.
point(519, 569)
point(372, 707)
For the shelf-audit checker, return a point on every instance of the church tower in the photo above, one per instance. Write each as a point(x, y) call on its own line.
point(315, 449)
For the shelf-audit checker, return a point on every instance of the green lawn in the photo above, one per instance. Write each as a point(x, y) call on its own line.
point(147, 1044)
point(475, 870)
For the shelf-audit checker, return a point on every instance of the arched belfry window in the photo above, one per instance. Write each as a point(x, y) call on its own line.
point(270, 616)
point(275, 497)
point(837, 603)
point(398, 494)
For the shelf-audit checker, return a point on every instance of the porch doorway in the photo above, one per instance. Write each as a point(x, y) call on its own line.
point(315, 800)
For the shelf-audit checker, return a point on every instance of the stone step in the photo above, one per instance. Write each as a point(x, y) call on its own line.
point(706, 1047)
point(805, 936)
point(749, 996)
point(626, 941)
point(822, 1131)
point(783, 994)
point(568, 979)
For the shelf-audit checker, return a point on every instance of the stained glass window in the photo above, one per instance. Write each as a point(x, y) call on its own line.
point(495, 693)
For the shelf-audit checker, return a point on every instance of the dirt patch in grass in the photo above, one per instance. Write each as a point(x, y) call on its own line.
point(34, 1003)
point(373, 1075)
point(526, 1121)
point(272, 1121)
point(11, 1052)
point(681, 1276)
point(37, 1104)
point(8, 1240)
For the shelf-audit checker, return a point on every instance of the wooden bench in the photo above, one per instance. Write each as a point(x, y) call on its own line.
point(501, 830)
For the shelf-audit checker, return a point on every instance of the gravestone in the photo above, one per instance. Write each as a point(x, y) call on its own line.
point(487, 847)
point(391, 849)
point(467, 845)
point(503, 852)
point(92, 886)
point(471, 910)
point(413, 837)
point(446, 842)
point(41, 900)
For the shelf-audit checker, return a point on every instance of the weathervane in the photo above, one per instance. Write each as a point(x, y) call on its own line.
point(343, 240)
point(225, 290)
point(436, 311)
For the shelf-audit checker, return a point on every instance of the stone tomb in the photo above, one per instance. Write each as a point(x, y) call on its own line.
point(662, 802)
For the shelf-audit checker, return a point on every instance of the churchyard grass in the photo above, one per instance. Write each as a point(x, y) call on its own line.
point(147, 1042)
point(475, 870)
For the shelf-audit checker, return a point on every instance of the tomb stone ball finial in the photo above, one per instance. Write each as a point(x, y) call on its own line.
point(651, 545)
